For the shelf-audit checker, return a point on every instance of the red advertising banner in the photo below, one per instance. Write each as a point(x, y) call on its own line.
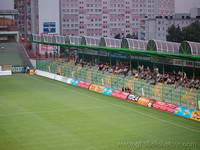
point(196, 115)
point(167, 107)
point(145, 101)
point(120, 94)
point(84, 85)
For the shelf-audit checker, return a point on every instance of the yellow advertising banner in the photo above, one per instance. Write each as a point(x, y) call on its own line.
point(96, 88)
point(196, 116)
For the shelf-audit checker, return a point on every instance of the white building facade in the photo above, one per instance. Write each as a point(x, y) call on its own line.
point(156, 29)
point(195, 12)
point(107, 18)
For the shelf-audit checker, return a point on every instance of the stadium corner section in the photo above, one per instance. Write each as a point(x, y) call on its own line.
point(7, 70)
point(183, 111)
point(14, 59)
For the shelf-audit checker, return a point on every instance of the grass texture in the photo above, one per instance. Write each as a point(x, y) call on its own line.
point(41, 114)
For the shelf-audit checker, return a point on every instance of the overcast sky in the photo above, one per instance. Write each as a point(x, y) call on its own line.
point(181, 5)
point(185, 5)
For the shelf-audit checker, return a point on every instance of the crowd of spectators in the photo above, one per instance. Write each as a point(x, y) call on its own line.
point(152, 76)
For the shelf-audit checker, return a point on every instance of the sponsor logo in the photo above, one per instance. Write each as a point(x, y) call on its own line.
point(133, 98)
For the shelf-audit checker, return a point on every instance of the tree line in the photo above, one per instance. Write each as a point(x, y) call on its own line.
point(189, 33)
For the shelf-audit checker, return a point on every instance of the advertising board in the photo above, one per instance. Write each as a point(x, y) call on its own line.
point(183, 111)
point(108, 91)
point(145, 101)
point(96, 88)
point(133, 98)
point(84, 85)
point(75, 82)
point(167, 107)
point(120, 94)
point(195, 115)
point(69, 80)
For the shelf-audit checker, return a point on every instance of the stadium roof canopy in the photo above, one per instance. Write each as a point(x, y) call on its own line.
point(188, 50)
point(163, 46)
point(90, 41)
point(60, 39)
point(47, 38)
point(134, 44)
point(188, 47)
point(36, 37)
point(75, 40)
point(110, 42)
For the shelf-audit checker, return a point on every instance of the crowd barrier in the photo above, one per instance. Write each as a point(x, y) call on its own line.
point(96, 88)
point(75, 82)
point(195, 115)
point(133, 98)
point(84, 85)
point(69, 80)
point(108, 91)
point(119, 94)
point(147, 102)
point(5, 73)
point(184, 111)
point(163, 106)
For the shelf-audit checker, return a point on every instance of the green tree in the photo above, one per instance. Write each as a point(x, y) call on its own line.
point(192, 32)
point(189, 33)
point(175, 34)
point(132, 36)
point(129, 36)
point(118, 36)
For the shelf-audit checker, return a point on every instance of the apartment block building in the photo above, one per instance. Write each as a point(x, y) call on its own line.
point(106, 18)
point(28, 16)
point(195, 12)
point(157, 28)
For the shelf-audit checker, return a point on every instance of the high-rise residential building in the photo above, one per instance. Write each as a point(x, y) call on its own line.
point(109, 17)
point(28, 16)
point(38, 17)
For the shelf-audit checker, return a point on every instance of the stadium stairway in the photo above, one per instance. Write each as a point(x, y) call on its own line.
point(14, 54)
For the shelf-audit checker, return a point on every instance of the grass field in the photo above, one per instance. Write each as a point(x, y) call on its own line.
point(41, 114)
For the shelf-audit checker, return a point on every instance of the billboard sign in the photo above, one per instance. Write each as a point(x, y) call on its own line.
point(49, 27)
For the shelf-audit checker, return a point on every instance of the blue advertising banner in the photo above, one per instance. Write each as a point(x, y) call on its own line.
point(49, 27)
point(108, 91)
point(183, 111)
point(75, 82)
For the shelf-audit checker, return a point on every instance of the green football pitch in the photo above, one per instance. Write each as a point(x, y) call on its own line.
point(41, 114)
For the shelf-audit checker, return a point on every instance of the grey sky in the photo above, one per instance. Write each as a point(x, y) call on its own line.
point(185, 5)
point(6, 4)
point(181, 5)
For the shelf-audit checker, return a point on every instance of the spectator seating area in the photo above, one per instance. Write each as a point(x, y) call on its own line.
point(172, 87)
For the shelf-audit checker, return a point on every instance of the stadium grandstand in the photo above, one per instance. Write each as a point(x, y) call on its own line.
point(148, 68)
